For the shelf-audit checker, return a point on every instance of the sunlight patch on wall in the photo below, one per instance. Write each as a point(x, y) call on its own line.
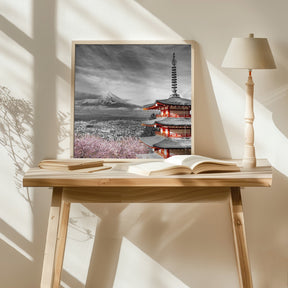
point(137, 269)
point(63, 108)
point(16, 68)
point(280, 144)
point(165, 223)
point(12, 214)
point(16, 247)
point(81, 234)
point(20, 15)
point(276, 96)
point(15, 149)
point(231, 104)
point(64, 285)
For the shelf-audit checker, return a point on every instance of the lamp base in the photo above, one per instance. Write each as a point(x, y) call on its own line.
point(249, 159)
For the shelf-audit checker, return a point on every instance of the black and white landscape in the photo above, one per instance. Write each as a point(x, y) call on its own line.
point(113, 83)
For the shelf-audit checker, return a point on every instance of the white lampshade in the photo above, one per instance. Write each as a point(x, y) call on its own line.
point(249, 53)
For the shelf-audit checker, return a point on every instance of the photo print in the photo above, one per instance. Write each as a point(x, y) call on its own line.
point(132, 100)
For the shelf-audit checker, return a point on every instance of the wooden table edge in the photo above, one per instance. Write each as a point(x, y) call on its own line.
point(138, 182)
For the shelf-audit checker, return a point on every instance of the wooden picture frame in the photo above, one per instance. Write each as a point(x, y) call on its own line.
point(116, 85)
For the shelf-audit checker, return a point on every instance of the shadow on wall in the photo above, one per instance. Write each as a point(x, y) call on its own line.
point(278, 106)
point(105, 254)
point(16, 134)
point(29, 131)
point(268, 239)
point(16, 128)
point(208, 126)
point(161, 233)
point(277, 103)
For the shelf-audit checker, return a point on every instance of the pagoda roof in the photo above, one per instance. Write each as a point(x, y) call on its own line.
point(152, 140)
point(166, 142)
point(169, 121)
point(153, 121)
point(173, 100)
point(173, 121)
point(149, 105)
point(174, 143)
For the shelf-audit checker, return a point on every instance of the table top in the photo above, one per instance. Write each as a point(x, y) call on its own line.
point(117, 176)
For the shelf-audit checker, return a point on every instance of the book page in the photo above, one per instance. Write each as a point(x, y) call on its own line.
point(151, 166)
point(187, 160)
point(193, 160)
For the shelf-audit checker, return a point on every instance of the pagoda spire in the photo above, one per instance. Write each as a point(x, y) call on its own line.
point(174, 77)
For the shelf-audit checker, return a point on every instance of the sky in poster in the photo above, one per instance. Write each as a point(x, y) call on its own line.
point(139, 74)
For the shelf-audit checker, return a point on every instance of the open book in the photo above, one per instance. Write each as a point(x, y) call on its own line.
point(183, 164)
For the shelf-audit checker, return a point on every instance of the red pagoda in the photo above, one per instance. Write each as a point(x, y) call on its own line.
point(172, 123)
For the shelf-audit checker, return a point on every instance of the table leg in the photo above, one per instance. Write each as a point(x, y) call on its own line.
point(61, 242)
point(240, 238)
point(51, 239)
point(55, 240)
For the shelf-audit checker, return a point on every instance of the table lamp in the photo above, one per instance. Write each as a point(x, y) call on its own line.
point(249, 53)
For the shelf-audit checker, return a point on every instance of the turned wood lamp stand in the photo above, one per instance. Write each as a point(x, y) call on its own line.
point(249, 157)
point(249, 53)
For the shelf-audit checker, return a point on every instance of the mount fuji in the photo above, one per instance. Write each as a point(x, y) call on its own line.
point(108, 100)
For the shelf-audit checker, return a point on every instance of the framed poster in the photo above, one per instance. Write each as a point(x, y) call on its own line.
point(132, 99)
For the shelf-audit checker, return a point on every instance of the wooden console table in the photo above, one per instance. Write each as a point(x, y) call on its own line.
point(118, 186)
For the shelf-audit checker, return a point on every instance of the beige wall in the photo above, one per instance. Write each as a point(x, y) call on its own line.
point(142, 245)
